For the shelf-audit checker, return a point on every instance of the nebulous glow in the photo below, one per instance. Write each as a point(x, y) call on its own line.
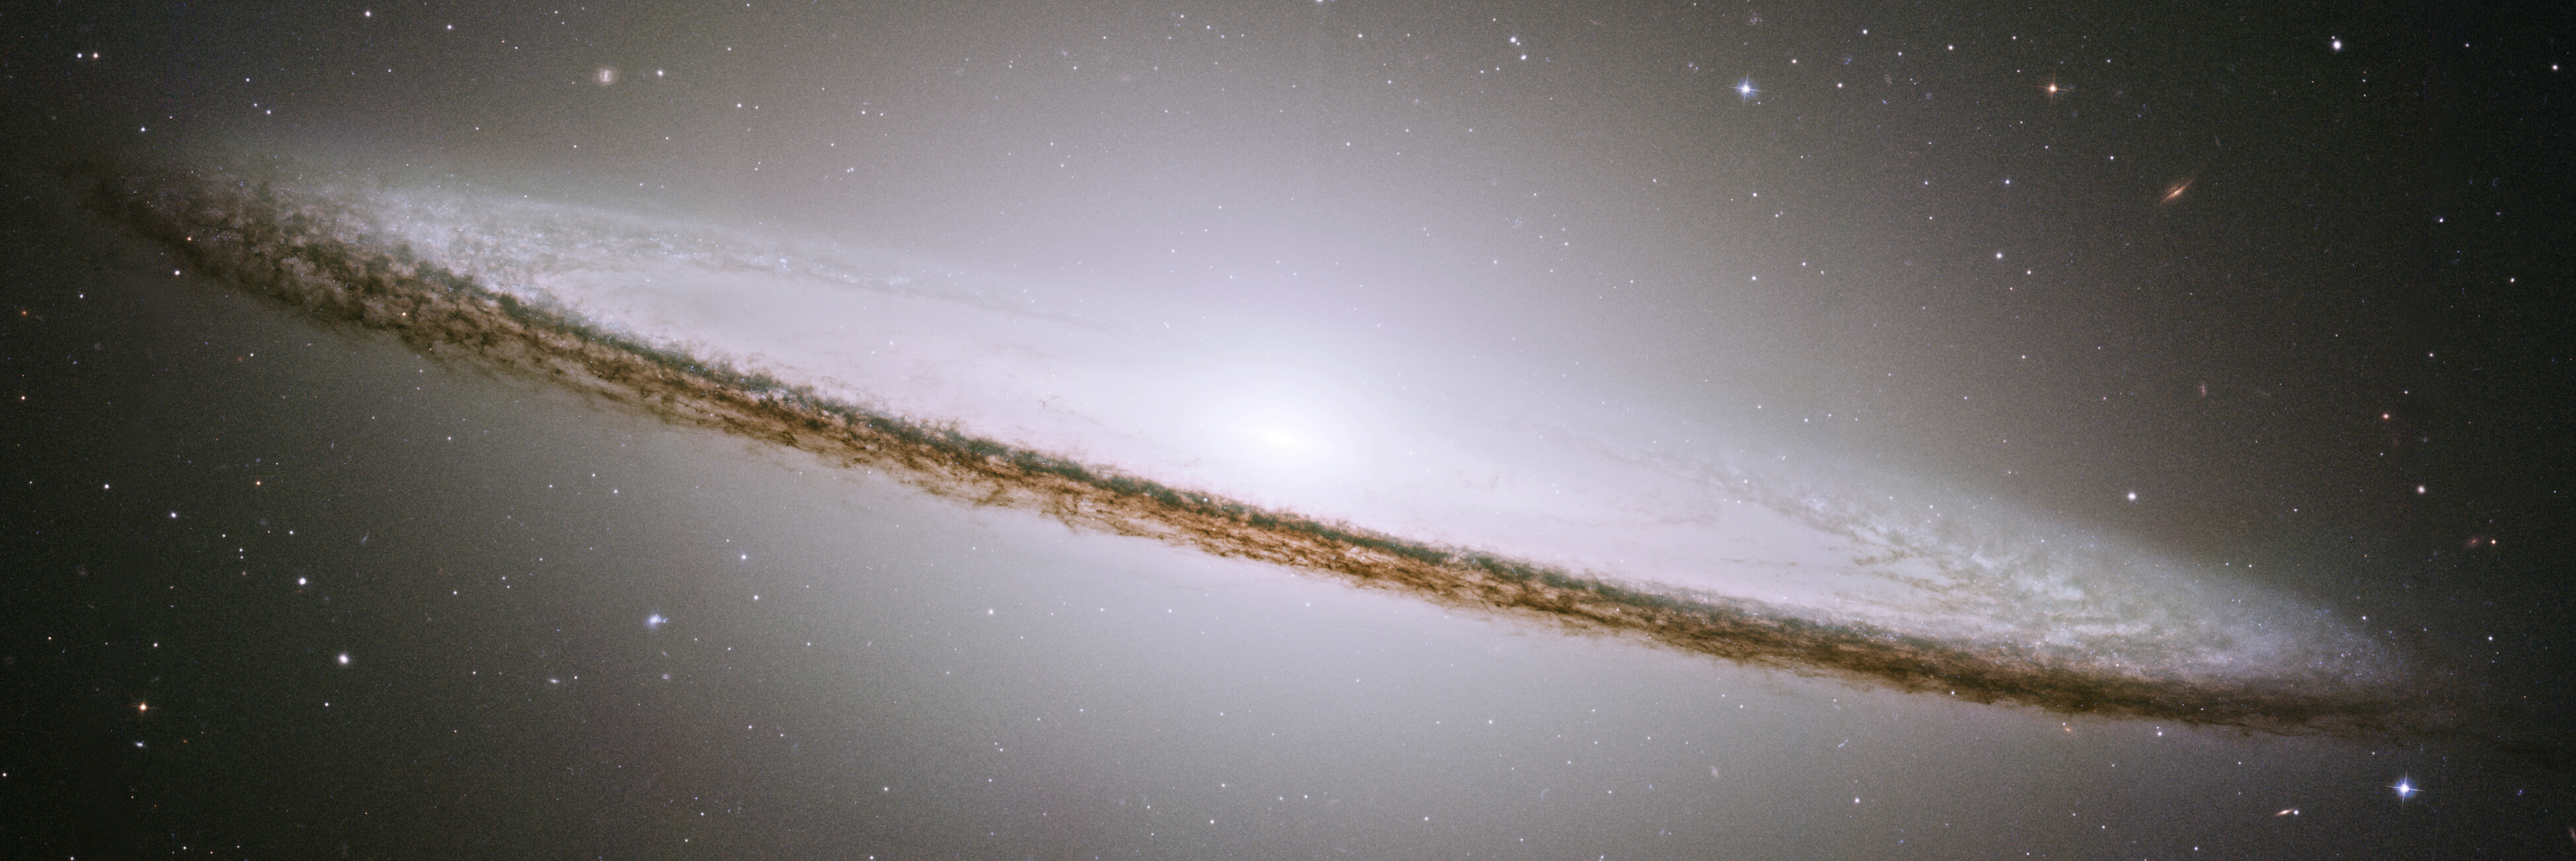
point(1277, 428)
point(1508, 503)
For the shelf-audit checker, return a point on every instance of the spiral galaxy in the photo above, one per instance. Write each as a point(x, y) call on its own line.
point(981, 394)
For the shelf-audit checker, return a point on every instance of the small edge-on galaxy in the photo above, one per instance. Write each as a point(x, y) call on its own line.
point(310, 254)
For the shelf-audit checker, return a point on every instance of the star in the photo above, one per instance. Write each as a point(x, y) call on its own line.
point(2405, 788)
point(1744, 89)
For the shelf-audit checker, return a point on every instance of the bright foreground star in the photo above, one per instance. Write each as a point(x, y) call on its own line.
point(2405, 788)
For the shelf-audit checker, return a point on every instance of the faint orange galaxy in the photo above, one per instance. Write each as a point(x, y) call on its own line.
point(2174, 190)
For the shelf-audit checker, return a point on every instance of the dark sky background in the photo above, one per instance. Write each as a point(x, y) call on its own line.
point(2294, 275)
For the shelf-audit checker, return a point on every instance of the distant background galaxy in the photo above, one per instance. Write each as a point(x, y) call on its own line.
point(1499, 430)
